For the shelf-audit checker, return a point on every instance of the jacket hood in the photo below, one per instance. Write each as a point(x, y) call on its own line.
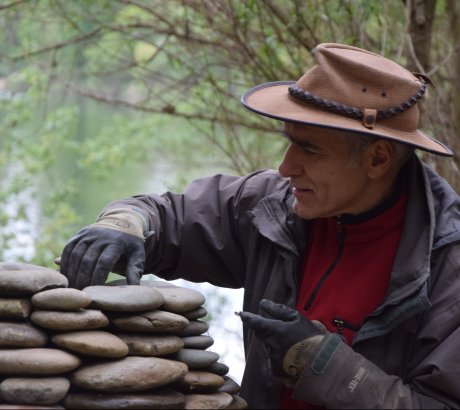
point(446, 209)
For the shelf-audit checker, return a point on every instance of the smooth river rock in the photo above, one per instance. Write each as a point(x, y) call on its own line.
point(230, 386)
point(24, 282)
point(82, 319)
point(28, 390)
point(11, 266)
point(61, 299)
point(151, 345)
point(124, 298)
point(198, 342)
point(195, 358)
point(131, 374)
point(194, 328)
point(14, 309)
point(92, 342)
point(162, 398)
point(155, 321)
point(219, 368)
point(37, 361)
point(197, 381)
point(180, 300)
point(14, 334)
point(237, 403)
point(208, 401)
point(10, 406)
point(195, 313)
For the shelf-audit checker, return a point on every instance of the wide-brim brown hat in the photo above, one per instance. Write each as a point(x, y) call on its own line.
point(350, 89)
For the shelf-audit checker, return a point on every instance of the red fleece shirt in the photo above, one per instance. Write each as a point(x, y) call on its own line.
point(347, 271)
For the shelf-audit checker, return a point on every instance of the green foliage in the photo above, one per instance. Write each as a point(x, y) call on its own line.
point(100, 99)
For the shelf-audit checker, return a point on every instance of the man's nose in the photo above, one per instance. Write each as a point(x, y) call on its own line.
point(290, 166)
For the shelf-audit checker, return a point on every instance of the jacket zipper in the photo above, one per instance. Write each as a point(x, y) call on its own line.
point(340, 241)
point(340, 324)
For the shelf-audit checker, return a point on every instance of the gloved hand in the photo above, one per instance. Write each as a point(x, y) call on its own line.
point(88, 257)
point(282, 329)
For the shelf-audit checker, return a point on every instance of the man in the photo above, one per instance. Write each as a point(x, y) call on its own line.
point(349, 256)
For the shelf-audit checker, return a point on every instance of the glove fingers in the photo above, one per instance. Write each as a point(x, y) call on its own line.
point(98, 254)
point(70, 263)
point(260, 325)
point(278, 311)
point(65, 261)
point(135, 265)
point(104, 264)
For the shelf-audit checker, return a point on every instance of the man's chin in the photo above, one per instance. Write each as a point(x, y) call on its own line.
point(303, 212)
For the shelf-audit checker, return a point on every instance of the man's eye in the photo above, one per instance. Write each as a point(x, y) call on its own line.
point(309, 150)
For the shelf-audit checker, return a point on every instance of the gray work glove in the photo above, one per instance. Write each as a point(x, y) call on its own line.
point(89, 256)
point(284, 330)
point(321, 368)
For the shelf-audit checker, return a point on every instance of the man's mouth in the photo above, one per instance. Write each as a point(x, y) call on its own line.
point(298, 189)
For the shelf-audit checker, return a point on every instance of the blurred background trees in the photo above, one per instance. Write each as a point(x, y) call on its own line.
point(104, 99)
point(101, 99)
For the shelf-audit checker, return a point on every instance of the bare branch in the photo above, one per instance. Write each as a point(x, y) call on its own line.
point(13, 4)
point(53, 47)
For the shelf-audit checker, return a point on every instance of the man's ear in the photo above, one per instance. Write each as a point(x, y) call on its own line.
point(380, 157)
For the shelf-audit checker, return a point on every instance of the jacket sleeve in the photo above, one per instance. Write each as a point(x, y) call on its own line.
point(340, 377)
point(199, 235)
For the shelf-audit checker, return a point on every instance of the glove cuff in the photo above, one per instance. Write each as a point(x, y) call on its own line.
point(300, 355)
point(125, 220)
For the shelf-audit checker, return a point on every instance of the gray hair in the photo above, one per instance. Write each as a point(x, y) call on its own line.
point(361, 141)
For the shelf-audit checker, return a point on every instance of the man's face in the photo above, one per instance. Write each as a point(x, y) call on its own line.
point(325, 179)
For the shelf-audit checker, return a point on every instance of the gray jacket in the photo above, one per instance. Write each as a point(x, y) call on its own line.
point(240, 232)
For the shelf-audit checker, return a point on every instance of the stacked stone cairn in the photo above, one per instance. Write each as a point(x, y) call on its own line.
point(106, 347)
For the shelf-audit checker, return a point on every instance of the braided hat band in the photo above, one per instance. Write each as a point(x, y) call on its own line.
point(354, 112)
point(351, 89)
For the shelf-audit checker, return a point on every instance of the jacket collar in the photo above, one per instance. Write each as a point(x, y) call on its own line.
point(432, 221)
point(275, 220)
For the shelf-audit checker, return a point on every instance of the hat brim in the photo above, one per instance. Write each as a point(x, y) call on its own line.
point(272, 100)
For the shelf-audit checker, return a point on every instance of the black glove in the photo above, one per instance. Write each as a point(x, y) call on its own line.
point(282, 328)
point(88, 257)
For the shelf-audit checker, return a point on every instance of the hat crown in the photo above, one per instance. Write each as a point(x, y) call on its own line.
point(359, 78)
point(350, 89)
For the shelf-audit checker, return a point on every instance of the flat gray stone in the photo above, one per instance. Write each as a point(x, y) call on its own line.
point(11, 266)
point(92, 342)
point(61, 299)
point(195, 358)
point(179, 300)
point(37, 361)
point(230, 386)
point(195, 313)
point(144, 282)
point(157, 283)
point(238, 403)
point(151, 345)
point(155, 321)
point(198, 342)
point(198, 381)
point(31, 407)
point(82, 319)
point(13, 309)
point(219, 368)
point(162, 398)
point(127, 375)
point(14, 334)
point(124, 298)
point(208, 401)
point(24, 280)
point(194, 328)
point(28, 390)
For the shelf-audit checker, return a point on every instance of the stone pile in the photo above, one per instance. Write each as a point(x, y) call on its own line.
point(106, 347)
